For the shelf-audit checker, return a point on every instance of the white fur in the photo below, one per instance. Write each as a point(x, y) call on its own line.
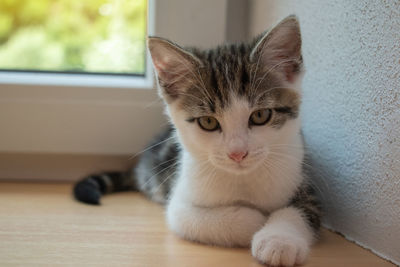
point(284, 240)
point(208, 177)
point(222, 202)
point(219, 201)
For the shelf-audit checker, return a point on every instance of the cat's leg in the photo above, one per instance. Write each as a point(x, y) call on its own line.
point(285, 239)
point(223, 226)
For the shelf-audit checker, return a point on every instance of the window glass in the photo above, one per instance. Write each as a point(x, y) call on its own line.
point(90, 36)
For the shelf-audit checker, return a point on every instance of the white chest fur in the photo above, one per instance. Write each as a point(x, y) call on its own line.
point(264, 189)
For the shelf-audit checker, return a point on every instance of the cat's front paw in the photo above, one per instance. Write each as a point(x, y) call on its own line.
point(279, 249)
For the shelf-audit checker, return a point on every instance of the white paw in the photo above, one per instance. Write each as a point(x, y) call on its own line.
point(279, 249)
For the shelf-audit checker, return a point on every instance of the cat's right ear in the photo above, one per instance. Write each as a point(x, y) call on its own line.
point(175, 67)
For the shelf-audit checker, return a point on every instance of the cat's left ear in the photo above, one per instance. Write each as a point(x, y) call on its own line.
point(175, 67)
point(279, 50)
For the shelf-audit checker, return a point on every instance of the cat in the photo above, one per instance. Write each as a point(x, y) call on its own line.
point(230, 166)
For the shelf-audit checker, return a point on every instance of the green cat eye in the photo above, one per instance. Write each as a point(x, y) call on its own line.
point(208, 123)
point(260, 117)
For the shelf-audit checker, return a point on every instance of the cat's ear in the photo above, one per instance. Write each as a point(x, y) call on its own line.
point(279, 50)
point(175, 66)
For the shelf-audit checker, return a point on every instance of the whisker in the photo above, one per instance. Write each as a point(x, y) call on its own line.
point(150, 147)
point(152, 103)
point(285, 145)
point(198, 77)
point(269, 71)
point(257, 65)
point(193, 96)
point(159, 186)
point(174, 158)
point(266, 92)
point(322, 177)
point(154, 175)
point(204, 87)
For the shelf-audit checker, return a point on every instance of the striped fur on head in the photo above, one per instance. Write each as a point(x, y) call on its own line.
point(204, 82)
point(228, 84)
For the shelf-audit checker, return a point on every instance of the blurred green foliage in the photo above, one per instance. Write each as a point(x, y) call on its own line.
point(73, 35)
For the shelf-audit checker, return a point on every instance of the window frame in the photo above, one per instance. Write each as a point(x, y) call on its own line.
point(96, 80)
point(102, 119)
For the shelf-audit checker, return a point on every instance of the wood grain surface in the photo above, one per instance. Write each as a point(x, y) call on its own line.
point(42, 225)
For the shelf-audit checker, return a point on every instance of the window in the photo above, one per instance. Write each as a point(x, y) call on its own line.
point(72, 37)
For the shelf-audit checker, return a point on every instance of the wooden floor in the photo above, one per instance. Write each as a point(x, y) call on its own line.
point(41, 225)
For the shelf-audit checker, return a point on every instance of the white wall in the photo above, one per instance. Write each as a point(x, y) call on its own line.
point(204, 24)
point(351, 111)
point(191, 22)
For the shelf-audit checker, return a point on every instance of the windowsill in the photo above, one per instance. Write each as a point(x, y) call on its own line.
point(42, 225)
point(83, 80)
point(77, 119)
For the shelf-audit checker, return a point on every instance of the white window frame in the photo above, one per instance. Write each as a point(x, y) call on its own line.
point(96, 117)
point(84, 79)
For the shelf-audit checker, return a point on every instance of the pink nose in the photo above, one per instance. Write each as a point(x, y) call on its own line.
point(238, 156)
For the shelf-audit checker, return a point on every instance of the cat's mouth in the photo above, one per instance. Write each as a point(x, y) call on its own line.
point(245, 166)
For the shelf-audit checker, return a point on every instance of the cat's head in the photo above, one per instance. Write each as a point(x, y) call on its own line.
point(234, 104)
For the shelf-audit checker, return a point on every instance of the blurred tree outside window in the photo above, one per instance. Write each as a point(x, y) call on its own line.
point(91, 36)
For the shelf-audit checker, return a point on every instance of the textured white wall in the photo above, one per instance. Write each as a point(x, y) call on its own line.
point(192, 22)
point(351, 111)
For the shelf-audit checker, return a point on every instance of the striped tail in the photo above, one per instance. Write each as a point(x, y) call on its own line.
point(90, 189)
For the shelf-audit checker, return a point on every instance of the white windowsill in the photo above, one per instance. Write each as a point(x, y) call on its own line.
point(84, 80)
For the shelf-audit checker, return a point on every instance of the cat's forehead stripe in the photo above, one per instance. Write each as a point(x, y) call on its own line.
point(227, 73)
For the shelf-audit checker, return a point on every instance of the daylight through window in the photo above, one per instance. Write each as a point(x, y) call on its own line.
point(90, 36)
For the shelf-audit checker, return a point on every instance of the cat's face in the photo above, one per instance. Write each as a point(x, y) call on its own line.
point(236, 105)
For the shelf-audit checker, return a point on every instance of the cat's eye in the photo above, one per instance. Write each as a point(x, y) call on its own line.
point(260, 117)
point(208, 123)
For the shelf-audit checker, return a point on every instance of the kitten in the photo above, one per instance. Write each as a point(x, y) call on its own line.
point(230, 168)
